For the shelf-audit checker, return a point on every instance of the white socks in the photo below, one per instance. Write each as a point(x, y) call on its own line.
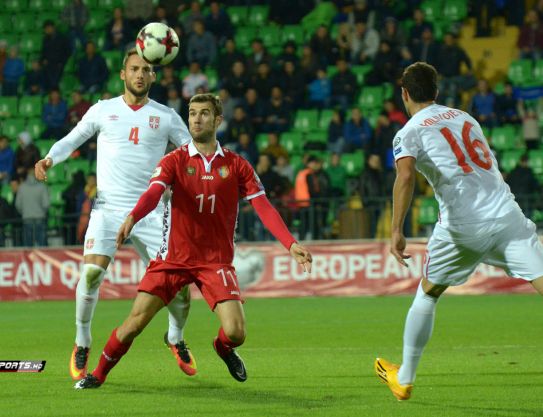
point(85, 302)
point(418, 329)
point(178, 311)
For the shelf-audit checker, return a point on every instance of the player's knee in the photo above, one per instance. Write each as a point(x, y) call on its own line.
point(90, 280)
point(235, 331)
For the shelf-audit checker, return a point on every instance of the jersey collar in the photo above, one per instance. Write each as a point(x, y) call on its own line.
point(193, 151)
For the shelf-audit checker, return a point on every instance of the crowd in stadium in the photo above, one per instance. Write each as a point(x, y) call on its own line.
point(309, 90)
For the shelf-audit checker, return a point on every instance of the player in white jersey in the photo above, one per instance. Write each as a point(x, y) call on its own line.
point(479, 219)
point(133, 132)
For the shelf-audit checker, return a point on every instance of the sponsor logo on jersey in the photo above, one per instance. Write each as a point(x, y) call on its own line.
point(397, 151)
point(89, 244)
point(154, 122)
point(156, 172)
point(396, 141)
point(224, 172)
point(191, 170)
point(113, 117)
point(207, 177)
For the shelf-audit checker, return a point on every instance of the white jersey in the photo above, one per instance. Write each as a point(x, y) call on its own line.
point(130, 145)
point(453, 154)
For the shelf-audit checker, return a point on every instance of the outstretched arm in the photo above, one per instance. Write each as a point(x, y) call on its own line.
point(147, 202)
point(275, 224)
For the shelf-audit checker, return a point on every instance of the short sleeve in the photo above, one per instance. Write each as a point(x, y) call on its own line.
point(164, 173)
point(406, 143)
point(250, 185)
point(179, 133)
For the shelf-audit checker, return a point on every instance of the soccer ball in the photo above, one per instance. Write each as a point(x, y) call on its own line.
point(157, 43)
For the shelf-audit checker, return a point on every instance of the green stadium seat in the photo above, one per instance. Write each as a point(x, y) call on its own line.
point(15, 5)
point(535, 161)
point(360, 71)
point(38, 5)
point(258, 15)
point(98, 19)
point(325, 118)
point(93, 166)
point(270, 35)
point(55, 215)
point(455, 10)
point(6, 193)
point(428, 211)
point(538, 70)
point(35, 127)
point(56, 175)
point(238, 15)
point(520, 72)
point(371, 98)
point(92, 4)
point(68, 83)
point(432, 9)
point(292, 142)
point(24, 23)
point(100, 40)
point(44, 145)
point(55, 194)
point(244, 36)
point(503, 138)
point(306, 120)
point(212, 78)
point(8, 107)
point(5, 22)
point(12, 127)
point(331, 70)
point(47, 14)
point(30, 106)
point(293, 33)
point(353, 163)
point(296, 162)
point(388, 91)
point(509, 160)
point(113, 60)
point(261, 141)
point(109, 4)
point(74, 165)
point(59, 4)
point(30, 43)
point(317, 137)
point(115, 85)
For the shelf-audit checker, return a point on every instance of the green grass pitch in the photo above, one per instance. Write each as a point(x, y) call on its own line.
point(305, 357)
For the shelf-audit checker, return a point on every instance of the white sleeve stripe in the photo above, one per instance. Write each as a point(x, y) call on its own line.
point(250, 197)
point(159, 182)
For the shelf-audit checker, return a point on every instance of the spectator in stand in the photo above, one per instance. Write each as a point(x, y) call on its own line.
point(228, 104)
point(308, 64)
point(201, 46)
point(26, 156)
point(32, 202)
point(171, 80)
point(365, 44)
point(174, 101)
point(180, 61)
point(264, 79)
point(359, 13)
point(246, 148)
point(160, 15)
point(386, 66)
point(530, 125)
point(318, 184)
point(322, 45)
point(73, 198)
point(3, 58)
point(138, 12)
point(357, 132)
point(338, 176)
point(289, 53)
point(302, 196)
point(449, 64)
point(336, 130)
point(344, 85)
point(218, 23)
point(35, 83)
point(238, 81)
point(192, 16)
point(75, 15)
point(278, 113)
point(381, 142)
point(507, 106)
point(93, 72)
point(419, 26)
point(284, 168)
point(77, 110)
point(238, 125)
point(54, 115)
point(7, 161)
point(14, 69)
point(427, 49)
point(394, 115)
point(275, 185)
point(194, 80)
point(372, 190)
point(274, 148)
point(292, 83)
point(55, 52)
point(118, 31)
point(254, 107)
point(530, 40)
point(228, 57)
point(9, 217)
point(524, 185)
point(483, 105)
point(393, 34)
point(320, 90)
point(258, 56)
point(289, 12)
point(342, 43)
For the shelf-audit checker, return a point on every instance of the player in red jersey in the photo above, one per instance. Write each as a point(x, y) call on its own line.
point(207, 182)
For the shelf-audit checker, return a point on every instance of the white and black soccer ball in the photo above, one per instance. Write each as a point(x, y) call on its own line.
point(157, 43)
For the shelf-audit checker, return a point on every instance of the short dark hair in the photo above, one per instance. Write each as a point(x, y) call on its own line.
point(420, 81)
point(208, 98)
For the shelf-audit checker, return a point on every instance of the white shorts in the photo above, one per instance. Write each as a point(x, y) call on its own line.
point(104, 224)
point(510, 243)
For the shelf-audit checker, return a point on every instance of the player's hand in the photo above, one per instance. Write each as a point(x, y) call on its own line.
point(41, 167)
point(397, 247)
point(302, 256)
point(124, 231)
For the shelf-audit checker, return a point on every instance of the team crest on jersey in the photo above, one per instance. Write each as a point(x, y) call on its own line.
point(154, 122)
point(191, 170)
point(89, 244)
point(224, 172)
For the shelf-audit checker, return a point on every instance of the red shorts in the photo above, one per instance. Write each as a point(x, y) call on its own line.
point(216, 282)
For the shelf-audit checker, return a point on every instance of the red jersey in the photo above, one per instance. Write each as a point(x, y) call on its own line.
point(204, 204)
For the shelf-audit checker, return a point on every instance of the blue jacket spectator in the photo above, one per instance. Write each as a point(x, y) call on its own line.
point(54, 115)
point(14, 69)
point(201, 46)
point(482, 104)
point(320, 90)
point(93, 71)
point(357, 132)
point(7, 159)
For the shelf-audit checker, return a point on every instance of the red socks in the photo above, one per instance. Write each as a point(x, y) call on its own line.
point(224, 345)
point(112, 353)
